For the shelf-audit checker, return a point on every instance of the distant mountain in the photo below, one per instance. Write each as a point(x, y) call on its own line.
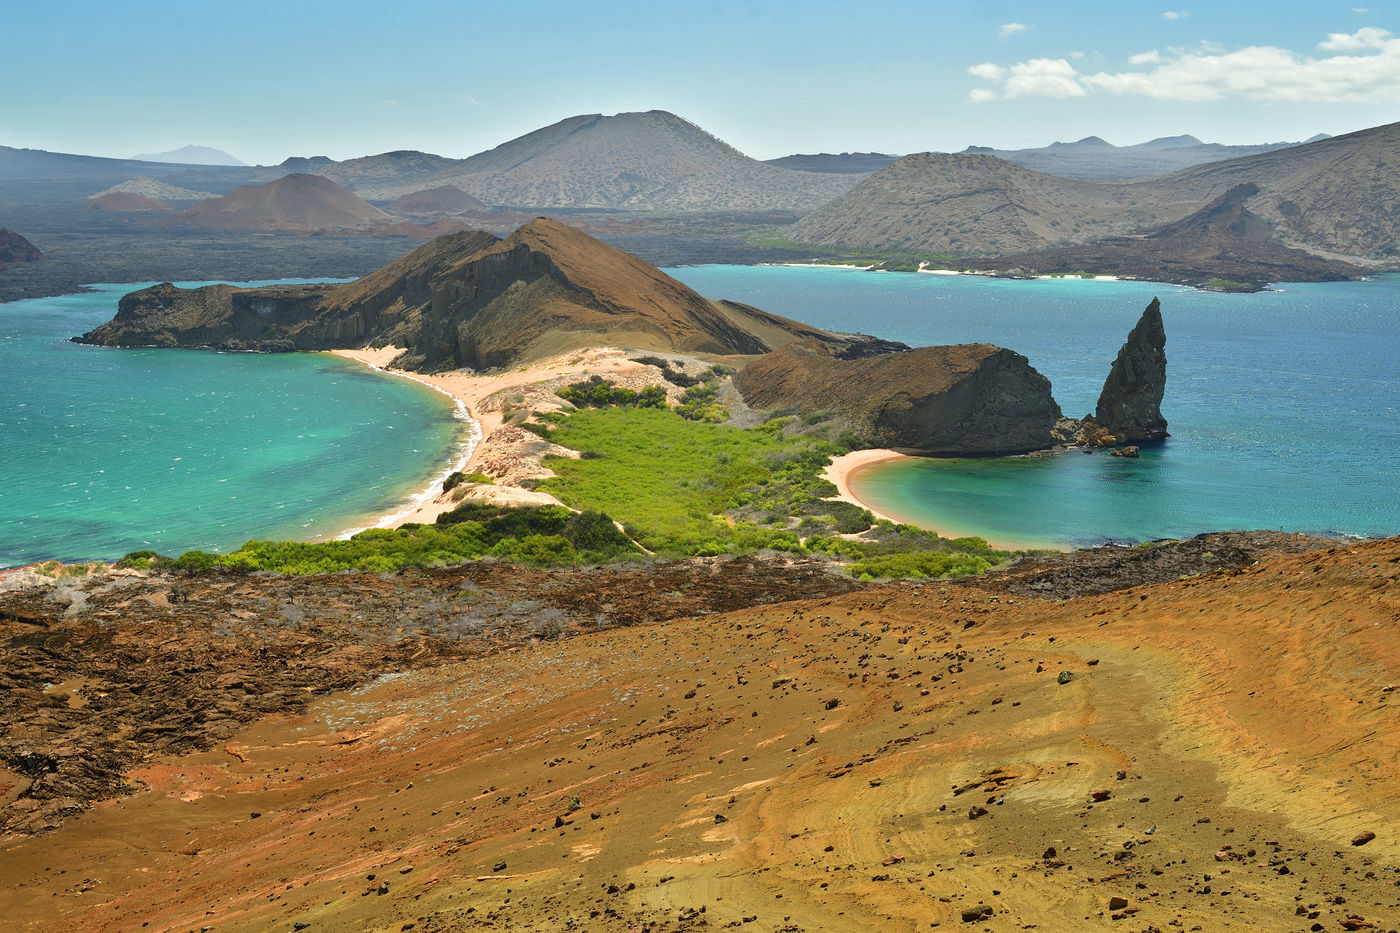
point(292, 203)
point(127, 202)
point(306, 163)
point(1339, 195)
point(965, 205)
point(1095, 159)
point(444, 200)
point(466, 299)
point(652, 161)
point(158, 190)
point(379, 176)
point(1223, 244)
point(192, 155)
point(845, 163)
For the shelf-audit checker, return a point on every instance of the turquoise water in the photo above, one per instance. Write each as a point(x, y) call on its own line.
point(109, 451)
point(1284, 406)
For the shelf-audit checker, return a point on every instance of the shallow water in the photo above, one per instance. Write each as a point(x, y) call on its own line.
point(108, 451)
point(1284, 406)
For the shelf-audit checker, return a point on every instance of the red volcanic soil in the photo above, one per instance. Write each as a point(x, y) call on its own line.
point(1214, 752)
point(293, 203)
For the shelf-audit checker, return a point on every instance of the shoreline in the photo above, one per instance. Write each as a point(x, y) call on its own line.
point(493, 443)
point(845, 468)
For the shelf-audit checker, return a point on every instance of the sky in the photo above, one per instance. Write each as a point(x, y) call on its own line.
point(268, 80)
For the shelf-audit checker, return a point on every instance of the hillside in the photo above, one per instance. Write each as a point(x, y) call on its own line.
point(1094, 159)
point(704, 748)
point(127, 202)
point(1224, 244)
point(156, 190)
point(443, 200)
point(293, 203)
point(967, 205)
point(652, 161)
point(15, 249)
point(1337, 195)
point(465, 299)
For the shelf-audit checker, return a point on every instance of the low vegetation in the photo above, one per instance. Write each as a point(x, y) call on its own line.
point(681, 484)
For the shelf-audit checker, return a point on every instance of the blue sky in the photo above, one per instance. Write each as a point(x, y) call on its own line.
point(267, 80)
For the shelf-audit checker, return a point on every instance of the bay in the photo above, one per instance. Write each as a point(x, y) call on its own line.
point(1284, 405)
point(106, 451)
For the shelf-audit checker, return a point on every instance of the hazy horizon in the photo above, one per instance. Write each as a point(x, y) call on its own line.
point(358, 79)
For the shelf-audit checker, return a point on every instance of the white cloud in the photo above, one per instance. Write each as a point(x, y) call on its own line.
point(1368, 37)
point(1043, 77)
point(980, 95)
point(1370, 73)
point(1076, 54)
point(1010, 29)
point(1175, 14)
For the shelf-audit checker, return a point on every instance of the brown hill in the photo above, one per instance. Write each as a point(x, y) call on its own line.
point(15, 248)
point(126, 202)
point(1223, 245)
point(466, 299)
point(1216, 752)
point(443, 200)
point(1337, 195)
point(294, 203)
point(973, 399)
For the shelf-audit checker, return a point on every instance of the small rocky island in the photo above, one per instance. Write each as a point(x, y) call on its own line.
point(472, 300)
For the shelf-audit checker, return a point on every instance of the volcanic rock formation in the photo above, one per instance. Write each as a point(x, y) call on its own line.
point(468, 299)
point(1129, 407)
point(15, 248)
point(294, 203)
point(973, 399)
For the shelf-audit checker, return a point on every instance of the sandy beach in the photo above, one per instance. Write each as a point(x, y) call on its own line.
point(502, 451)
point(842, 468)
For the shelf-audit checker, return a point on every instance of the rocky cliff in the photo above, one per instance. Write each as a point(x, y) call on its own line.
point(468, 299)
point(973, 399)
point(1129, 406)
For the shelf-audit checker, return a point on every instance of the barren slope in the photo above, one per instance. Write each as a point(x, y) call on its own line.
point(293, 203)
point(1338, 195)
point(1214, 754)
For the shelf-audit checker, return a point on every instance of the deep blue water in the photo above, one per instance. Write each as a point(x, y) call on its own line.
point(106, 451)
point(1284, 405)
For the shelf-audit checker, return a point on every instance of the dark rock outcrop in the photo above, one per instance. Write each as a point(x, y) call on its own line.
point(467, 299)
point(973, 399)
point(1129, 406)
point(15, 248)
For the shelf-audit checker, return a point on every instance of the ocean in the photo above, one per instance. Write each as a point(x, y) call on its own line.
point(1284, 408)
point(108, 451)
point(1284, 405)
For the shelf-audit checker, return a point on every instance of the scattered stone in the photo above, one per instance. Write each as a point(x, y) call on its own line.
point(1099, 795)
point(1362, 838)
point(1117, 903)
point(973, 914)
point(833, 703)
point(975, 812)
point(499, 866)
point(1064, 678)
point(721, 818)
